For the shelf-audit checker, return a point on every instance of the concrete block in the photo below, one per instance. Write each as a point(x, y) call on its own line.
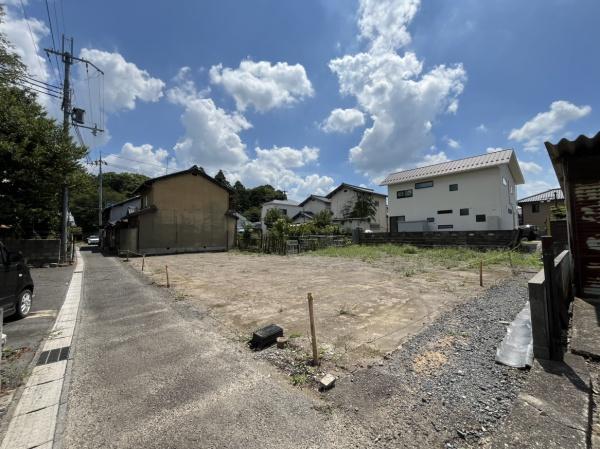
point(282, 342)
point(327, 382)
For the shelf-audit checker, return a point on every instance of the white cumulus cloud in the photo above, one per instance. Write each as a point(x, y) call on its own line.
point(384, 23)
point(343, 120)
point(263, 85)
point(544, 125)
point(455, 144)
point(211, 134)
point(212, 139)
point(402, 100)
point(530, 167)
point(140, 159)
point(494, 149)
point(431, 159)
point(274, 166)
point(124, 82)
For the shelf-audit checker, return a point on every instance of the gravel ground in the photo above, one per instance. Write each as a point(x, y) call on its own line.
point(442, 388)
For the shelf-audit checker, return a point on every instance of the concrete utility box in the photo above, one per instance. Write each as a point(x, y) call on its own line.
point(265, 337)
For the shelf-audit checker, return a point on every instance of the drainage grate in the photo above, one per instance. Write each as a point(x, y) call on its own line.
point(54, 355)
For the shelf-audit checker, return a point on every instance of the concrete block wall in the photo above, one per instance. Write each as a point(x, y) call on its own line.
point(479, 239)
point(36, 251)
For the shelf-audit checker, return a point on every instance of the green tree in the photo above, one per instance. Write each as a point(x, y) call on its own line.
point(35, 156)
point(322, 218)
point(362, 207)
point(116, 187)
point(272, 216)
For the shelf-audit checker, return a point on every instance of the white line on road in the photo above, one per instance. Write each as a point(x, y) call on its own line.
point(33, 423)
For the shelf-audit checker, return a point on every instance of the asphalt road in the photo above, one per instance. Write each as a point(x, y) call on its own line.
point(50, 288)
point(150, 373)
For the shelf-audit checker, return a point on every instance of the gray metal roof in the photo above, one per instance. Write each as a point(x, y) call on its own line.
point(315, 197)
point(283, 202)
point(543, 197)
point(458, 166)
point(353, 187)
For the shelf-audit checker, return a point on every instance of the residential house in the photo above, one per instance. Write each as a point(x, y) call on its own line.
point(186, 211)
point(311, 206)
point(344, 197)
point(114, 217)
point(475, 193)
point(537, 209)
point(288, 208)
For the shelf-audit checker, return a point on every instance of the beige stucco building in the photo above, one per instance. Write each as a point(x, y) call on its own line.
point(187, 211)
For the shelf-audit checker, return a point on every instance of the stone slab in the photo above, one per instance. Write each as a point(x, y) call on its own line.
point(39, 397)
point(552, 410)
point(56, 343)
point(47, 373)
point(31, 430)
point(585, 338)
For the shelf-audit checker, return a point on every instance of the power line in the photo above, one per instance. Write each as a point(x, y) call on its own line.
point(135, 160)
point(52, 34)
point(29, 87)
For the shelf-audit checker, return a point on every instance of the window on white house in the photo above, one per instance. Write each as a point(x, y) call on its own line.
point(404, 193)
point(445, 211)
point(423, 184)
point(445, 226)
point(453, 187)
point(402, 218)
point(464, 211)
point(376, 202)
point(430, 219)
point(480, 217)
point(510, 210)
point(535, 207)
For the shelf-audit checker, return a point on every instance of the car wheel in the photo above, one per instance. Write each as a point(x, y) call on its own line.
point(24, 302)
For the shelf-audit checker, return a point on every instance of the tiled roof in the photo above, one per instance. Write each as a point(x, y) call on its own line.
point(548, 195)
point(458, 166)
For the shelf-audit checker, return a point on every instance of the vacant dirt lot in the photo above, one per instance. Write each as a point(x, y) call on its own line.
point(364, 309)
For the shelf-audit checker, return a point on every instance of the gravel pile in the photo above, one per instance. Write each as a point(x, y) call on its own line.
point(442, 388)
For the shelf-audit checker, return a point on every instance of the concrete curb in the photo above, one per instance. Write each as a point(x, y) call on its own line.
point(34, 419)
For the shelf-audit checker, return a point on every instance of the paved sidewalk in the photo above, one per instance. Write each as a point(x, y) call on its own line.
point(148, 376)
point(33, 422)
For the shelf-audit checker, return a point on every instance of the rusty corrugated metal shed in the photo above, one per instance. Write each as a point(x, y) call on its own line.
point(577, 166)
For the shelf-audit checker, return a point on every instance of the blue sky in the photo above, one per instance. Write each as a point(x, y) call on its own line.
point(305, 95)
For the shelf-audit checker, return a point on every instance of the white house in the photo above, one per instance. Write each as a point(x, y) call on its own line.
point(475, 193)
point(287, 207)
point(342, 200)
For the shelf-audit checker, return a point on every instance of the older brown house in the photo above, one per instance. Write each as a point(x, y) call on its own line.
point(537, 209)
point(187, 211)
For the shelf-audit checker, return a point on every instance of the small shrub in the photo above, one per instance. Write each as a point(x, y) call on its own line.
point(299, 379)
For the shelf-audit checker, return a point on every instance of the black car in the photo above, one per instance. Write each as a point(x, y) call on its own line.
point(16, 285)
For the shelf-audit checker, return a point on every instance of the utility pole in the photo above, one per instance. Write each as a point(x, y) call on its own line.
point(99, 162)
point(68, 59)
